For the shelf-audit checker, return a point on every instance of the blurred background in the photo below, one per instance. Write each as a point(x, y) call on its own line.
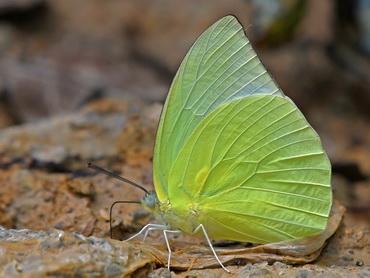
point(56, 56)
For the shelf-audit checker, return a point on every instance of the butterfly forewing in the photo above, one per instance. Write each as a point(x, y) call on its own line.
point(220, 66)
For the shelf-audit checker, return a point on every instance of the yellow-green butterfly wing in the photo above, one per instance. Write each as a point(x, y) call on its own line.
point(220, 66)
point(233, 153)
point(254, 170)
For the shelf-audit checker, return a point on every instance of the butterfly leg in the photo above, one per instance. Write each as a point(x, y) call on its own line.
point(159, 227)
point(146, 228)
point(168, 244)
point(210, 245)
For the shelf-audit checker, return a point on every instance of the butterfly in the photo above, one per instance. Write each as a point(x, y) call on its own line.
point(234, 158)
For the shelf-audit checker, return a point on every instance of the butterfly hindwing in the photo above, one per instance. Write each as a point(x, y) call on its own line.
point(254, 160)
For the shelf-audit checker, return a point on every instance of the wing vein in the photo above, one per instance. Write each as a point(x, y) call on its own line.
point(264, 218)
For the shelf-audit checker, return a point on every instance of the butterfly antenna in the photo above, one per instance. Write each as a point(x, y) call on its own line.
point(99, 169)
point(110, 213)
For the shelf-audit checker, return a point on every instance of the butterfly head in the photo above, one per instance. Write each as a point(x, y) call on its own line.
point(150, 201)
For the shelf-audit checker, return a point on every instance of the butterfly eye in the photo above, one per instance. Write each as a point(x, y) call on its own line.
point(150, 199)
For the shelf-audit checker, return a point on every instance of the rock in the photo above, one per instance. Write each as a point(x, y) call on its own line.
point(54, 252)
point(43, 167)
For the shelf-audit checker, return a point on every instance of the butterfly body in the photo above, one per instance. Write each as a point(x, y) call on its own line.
point(185, 219)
